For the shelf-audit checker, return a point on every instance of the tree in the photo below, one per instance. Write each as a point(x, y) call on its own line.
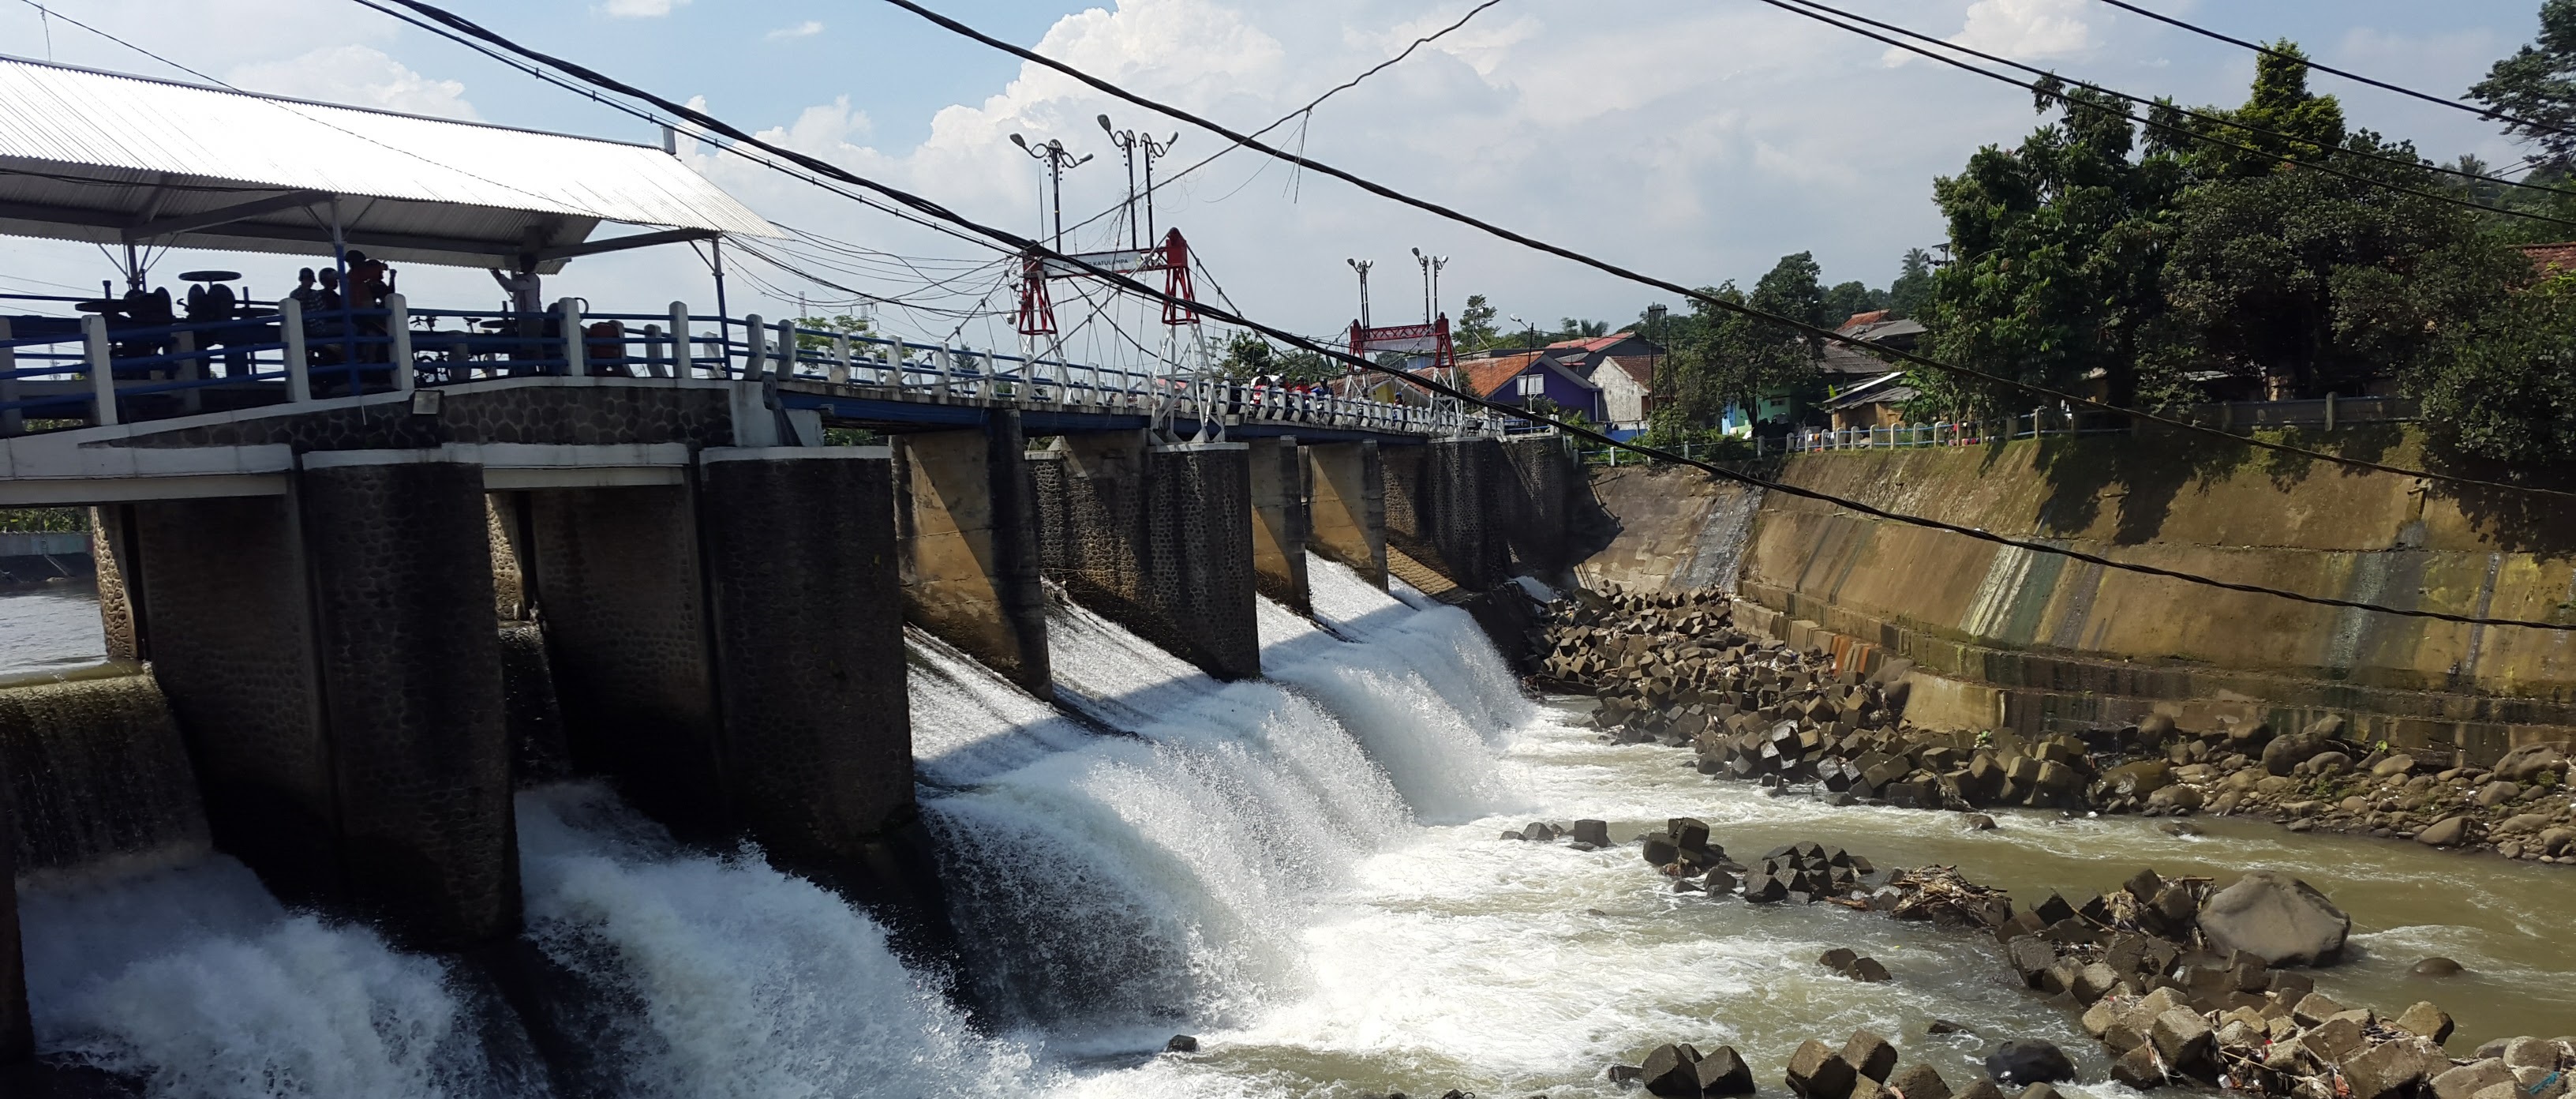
point(2059, 243)
point(1717, 357)
point(2326, 281)
point(1249, 355)
point(1850, 299)
point(1476, 330)
point(841, 323)
point(1912, 289)
point(2504, 386)
point(2538, 85)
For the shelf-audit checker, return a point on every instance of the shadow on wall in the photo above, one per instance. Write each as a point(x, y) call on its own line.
point(2145, 479)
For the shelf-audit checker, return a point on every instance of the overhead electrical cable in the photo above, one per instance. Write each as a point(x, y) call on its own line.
point(2041, 88)
point(2231, 123)
point(2428, 97)
point(1817, 332)
point(1307, 110)
point(1015, 243)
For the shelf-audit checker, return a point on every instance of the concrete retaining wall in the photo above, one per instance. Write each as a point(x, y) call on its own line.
point(1158, 539)
point(2061, 644)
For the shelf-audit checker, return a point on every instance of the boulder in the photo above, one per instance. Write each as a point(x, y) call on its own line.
point(1982, 1088)
point(1868, 971)
point(2426, 1021)
point(2497, 793)
point(2392, 1070)
point(1977, 822)
point(1181, 1043)
point(1688, 833)
point(2038, 1091)
point(1817, 1072)
point(2449, 832)
point(1723, 1072)
point(2185, 1042)
point(2277, 918)
point(1839, 959)
point(2138, 779)
point(1920, 1082)
point(2436, 967)
point(2467, 1080)
point(1671, 1071)
point(2029, 1061)
point(2285, 754)
point(2139, 1068)
point(1594, 832)
point(1870, 1055)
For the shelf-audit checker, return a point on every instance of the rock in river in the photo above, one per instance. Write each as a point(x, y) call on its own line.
point(2277, 918)
point(2031, 1061)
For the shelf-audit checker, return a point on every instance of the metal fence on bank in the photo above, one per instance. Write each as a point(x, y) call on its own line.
point(2327, 413)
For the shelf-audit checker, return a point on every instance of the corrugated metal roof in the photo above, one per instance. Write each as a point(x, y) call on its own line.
point(90, 155)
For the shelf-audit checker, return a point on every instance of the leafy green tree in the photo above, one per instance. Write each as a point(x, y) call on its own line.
point(1476, 330)
point(2310, 126)
point(841, 323)
point(2324, 280)
point(2538, 85)
point(1249, 355)
point(1846, 300)
point(1716, 357)
point(1912, 289)
point(2504, 387)
point(2059, 244)
point(1572, 328)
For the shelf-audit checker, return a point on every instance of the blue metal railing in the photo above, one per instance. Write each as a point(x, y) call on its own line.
point(95, 371)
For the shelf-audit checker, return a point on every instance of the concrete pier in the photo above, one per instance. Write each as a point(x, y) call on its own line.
point(17, 1030)
point(229, 590)
point(1346, 507)
point(1279, 522)
point(968, 546)
point(614, 573)
point(401, 567)
point(1157, 539)
point(1444, 506)
point(808, 640)
point(1540, 482)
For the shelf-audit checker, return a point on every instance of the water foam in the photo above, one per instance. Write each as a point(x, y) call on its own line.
point(1168, 875)
point(195, 979)
point(723, 977)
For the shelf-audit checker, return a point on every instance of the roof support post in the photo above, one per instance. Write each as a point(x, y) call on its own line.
point(299, 374)
point(573, 349)
point(398, 329)
point(12, 419)
point(681, 358)
point(102, 369)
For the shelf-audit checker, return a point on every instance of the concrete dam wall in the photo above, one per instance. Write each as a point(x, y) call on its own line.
point(2008, 638)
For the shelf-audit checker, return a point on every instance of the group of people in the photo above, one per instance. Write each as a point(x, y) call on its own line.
point(322, 297)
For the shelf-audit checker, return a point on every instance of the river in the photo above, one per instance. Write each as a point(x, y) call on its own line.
point(1302, 872)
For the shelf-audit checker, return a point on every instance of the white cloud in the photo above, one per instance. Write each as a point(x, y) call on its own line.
point(2023, 29)
point(361, 76)
point(638, 9)
point(806, 29)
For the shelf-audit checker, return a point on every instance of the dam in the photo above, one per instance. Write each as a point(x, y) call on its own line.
point(635, 700)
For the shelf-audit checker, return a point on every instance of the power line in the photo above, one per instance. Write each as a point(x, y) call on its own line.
point(2231, 123)
point(2033, 86)
point(1012, 242)
point(1811, 331)
point(1309, 108)
point(2481, 112)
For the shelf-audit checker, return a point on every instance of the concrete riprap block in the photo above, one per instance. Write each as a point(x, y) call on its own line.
point(400, 557)
point(1279, 521)
point(807, 612)
point(969, 546)
point(1346, 506)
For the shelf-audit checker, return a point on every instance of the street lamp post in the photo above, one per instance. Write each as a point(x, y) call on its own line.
point(1057, 159)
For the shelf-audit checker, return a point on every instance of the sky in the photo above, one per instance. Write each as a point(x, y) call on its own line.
point(1698, 140)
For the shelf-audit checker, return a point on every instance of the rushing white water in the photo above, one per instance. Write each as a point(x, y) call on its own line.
point(706, 976)
point(196, 980)
point(1112, 889)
